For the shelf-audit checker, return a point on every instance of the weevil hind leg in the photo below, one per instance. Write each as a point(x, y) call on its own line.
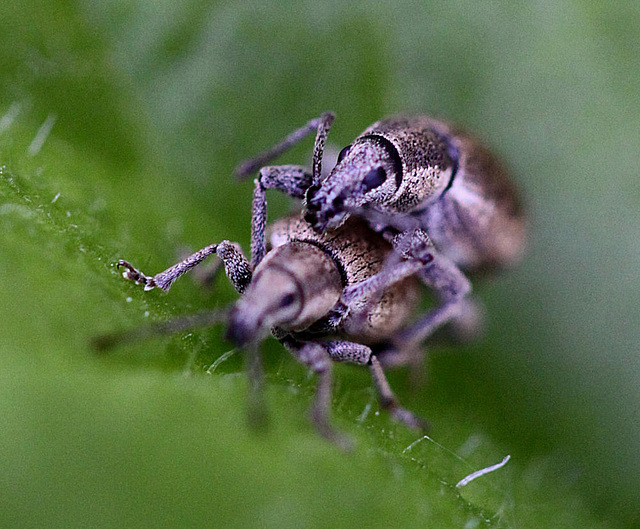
point(452, 288)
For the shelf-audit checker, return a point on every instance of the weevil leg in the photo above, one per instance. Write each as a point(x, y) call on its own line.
point(412, 252)
point(183, 323)
point(324, 126)
point(452, 287)
point(236, 266)
point(344, 351)
point(388, 400)
point(322, 122)
point(292, 180)
point(361, 297)
point(165, 279)
point(316, 357)
point(258, 224)
point(415, 254)
point(205, 274)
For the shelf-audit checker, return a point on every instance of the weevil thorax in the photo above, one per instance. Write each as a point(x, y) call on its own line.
point(294, 285)
point(393, 166)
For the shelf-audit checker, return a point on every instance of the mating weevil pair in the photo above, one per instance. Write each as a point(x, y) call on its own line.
point(428, 201)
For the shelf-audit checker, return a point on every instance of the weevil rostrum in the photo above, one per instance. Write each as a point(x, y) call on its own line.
point(443, 200)
point(295, 291)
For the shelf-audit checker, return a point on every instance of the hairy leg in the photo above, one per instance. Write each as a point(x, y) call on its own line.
point(290, 179)
point(294, 180)
point(345, 351)
point(388, 400)
point(415, 254)
point(235, 263)
point(322, 123)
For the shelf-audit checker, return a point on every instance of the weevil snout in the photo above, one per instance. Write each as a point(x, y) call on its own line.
point(272, 299)
point(323, 212)
point(366, 174)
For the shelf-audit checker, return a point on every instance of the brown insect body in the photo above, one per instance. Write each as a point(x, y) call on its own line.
point(355, 253)
point(457, 189)
point(437, 178)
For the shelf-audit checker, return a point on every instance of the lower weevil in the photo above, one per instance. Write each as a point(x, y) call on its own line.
point(295, 292)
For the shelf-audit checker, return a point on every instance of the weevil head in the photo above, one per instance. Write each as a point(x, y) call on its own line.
point(396, 166)
point(368, 173)
point(294, 285)
point(272, 299)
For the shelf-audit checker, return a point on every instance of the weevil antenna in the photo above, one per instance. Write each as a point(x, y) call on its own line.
point(258, 416)
point(107, 342)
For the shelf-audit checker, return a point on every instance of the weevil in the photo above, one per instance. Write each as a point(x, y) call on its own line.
point(443, 200)
point(295, 291)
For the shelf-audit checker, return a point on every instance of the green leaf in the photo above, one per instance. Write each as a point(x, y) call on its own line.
point(120, 123)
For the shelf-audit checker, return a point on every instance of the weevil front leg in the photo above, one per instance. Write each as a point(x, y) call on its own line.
point(293, 180)
point(321, 125)
point(236, 266)
point(205, 274)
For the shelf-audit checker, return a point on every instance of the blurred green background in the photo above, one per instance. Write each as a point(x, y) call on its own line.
point(120, 123)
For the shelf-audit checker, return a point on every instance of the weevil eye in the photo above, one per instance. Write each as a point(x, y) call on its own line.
point(343, 153)
point(374, 178)
point(287, 300)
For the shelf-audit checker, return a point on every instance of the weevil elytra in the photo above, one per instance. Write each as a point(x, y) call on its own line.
point(295, 292)
point(439, 195)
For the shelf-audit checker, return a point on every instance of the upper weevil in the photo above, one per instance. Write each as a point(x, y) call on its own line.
point(439, 195)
